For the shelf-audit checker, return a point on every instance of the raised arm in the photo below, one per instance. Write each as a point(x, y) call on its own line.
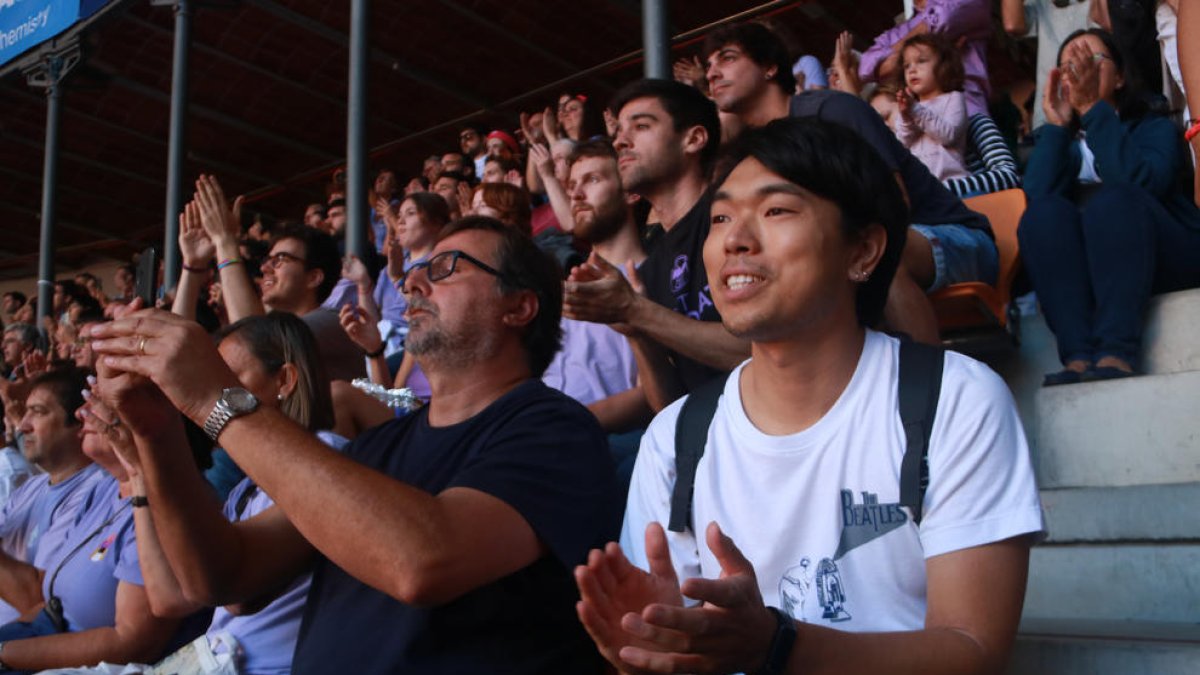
point(220, 221)
point(1012, 14)
point(420, 548)
point(555, 192)
point(610, 299)
point(197, 251)
point(215, 562)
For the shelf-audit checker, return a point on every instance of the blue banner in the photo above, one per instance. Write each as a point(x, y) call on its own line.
point(24, 24)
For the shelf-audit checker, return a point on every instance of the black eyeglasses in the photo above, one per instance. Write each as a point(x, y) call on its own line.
point(277, 259)
point(443, 265)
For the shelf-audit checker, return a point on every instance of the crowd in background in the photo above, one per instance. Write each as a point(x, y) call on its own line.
point(604, 211)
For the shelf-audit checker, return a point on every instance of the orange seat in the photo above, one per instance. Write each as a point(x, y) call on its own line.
point(975, 304)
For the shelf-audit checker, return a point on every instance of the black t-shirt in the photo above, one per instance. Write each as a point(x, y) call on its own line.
point(931, 202)
point(675, 278)
point(541, 453)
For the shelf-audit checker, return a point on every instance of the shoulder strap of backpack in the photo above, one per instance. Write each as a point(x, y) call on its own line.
point(919, 389)
point(691, 435)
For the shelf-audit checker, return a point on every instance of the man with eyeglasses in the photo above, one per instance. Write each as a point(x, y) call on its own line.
point(299, 273)
point(447, 536)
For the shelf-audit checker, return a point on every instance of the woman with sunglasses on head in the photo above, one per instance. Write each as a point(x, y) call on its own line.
point(245, 556)
point(1109, 219)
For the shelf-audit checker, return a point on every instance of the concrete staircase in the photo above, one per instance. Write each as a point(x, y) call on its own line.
point(1115, 588)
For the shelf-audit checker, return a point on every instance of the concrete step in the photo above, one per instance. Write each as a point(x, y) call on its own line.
point(1066, 647)
point(1139, 513)
point(1152, 581)
point(1133, 431)
point(1170, 344)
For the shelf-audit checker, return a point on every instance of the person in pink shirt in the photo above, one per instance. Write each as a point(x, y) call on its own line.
point(931, 111)
point(967, 23)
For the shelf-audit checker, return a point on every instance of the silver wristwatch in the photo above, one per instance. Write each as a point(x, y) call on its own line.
point(234, 402)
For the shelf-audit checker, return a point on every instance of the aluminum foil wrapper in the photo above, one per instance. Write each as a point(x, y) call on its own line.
point(397, 399)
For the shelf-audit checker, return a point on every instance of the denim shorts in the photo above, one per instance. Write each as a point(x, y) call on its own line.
point(960, 254)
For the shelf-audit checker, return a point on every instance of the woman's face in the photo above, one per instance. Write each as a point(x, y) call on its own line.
point(571, 117)
point(93, 436)
point(385, 183)
point(481, 208)
point(250, 371)
point(1110, 77)
point(417, 233)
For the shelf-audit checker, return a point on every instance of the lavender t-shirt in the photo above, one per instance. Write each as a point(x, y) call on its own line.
point(595, 362)
point(267, 637)
point(99, 552)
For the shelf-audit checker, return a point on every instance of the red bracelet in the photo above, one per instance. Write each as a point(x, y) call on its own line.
point(1192, 131)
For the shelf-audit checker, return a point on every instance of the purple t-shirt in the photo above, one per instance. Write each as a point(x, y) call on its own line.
point(268, 636)
point(99, 552)
point(36, 518)
point(595, 362)
point(392, 305)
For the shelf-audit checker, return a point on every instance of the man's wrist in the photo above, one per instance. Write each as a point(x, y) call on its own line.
point(783, 640)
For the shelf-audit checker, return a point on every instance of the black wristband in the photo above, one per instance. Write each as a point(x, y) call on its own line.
point(781, 644)
point(378, 352)
point(189, 268)
point(137, 501)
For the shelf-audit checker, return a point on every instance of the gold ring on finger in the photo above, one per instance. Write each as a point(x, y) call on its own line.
point(141, 346)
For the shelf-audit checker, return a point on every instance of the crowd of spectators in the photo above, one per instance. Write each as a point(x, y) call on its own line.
point(215, 485)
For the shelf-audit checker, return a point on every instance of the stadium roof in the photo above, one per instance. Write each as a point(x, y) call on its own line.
point(268, 98)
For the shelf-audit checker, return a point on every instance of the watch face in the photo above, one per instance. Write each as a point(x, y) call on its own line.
point(239, 400)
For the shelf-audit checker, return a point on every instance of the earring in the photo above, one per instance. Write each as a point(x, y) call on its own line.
point(280, 397)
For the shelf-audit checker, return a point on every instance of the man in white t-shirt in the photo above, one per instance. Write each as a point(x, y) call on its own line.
point(802, 460)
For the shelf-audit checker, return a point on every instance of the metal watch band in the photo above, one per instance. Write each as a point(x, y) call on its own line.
point(217, 419)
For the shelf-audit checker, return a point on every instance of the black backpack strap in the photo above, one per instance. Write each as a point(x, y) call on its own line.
point(920, 387)
point(691, 435)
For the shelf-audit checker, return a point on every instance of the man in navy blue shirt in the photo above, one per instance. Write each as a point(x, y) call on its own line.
point(447, 537)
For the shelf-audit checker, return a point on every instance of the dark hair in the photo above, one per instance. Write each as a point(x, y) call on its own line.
point(761, 44)
point(73, 291)
point(278, 338)
point(949, 71)
point(1131, 101)
point(592, 149)
point(91, 315)
point(834, 163)
point(506, 163)
point(686, 106)
point(456, 175)
point(18, 296)
point(320, 253)
point(592, 124)
point(67, 385)
point(524, 267)
point(431, 205)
